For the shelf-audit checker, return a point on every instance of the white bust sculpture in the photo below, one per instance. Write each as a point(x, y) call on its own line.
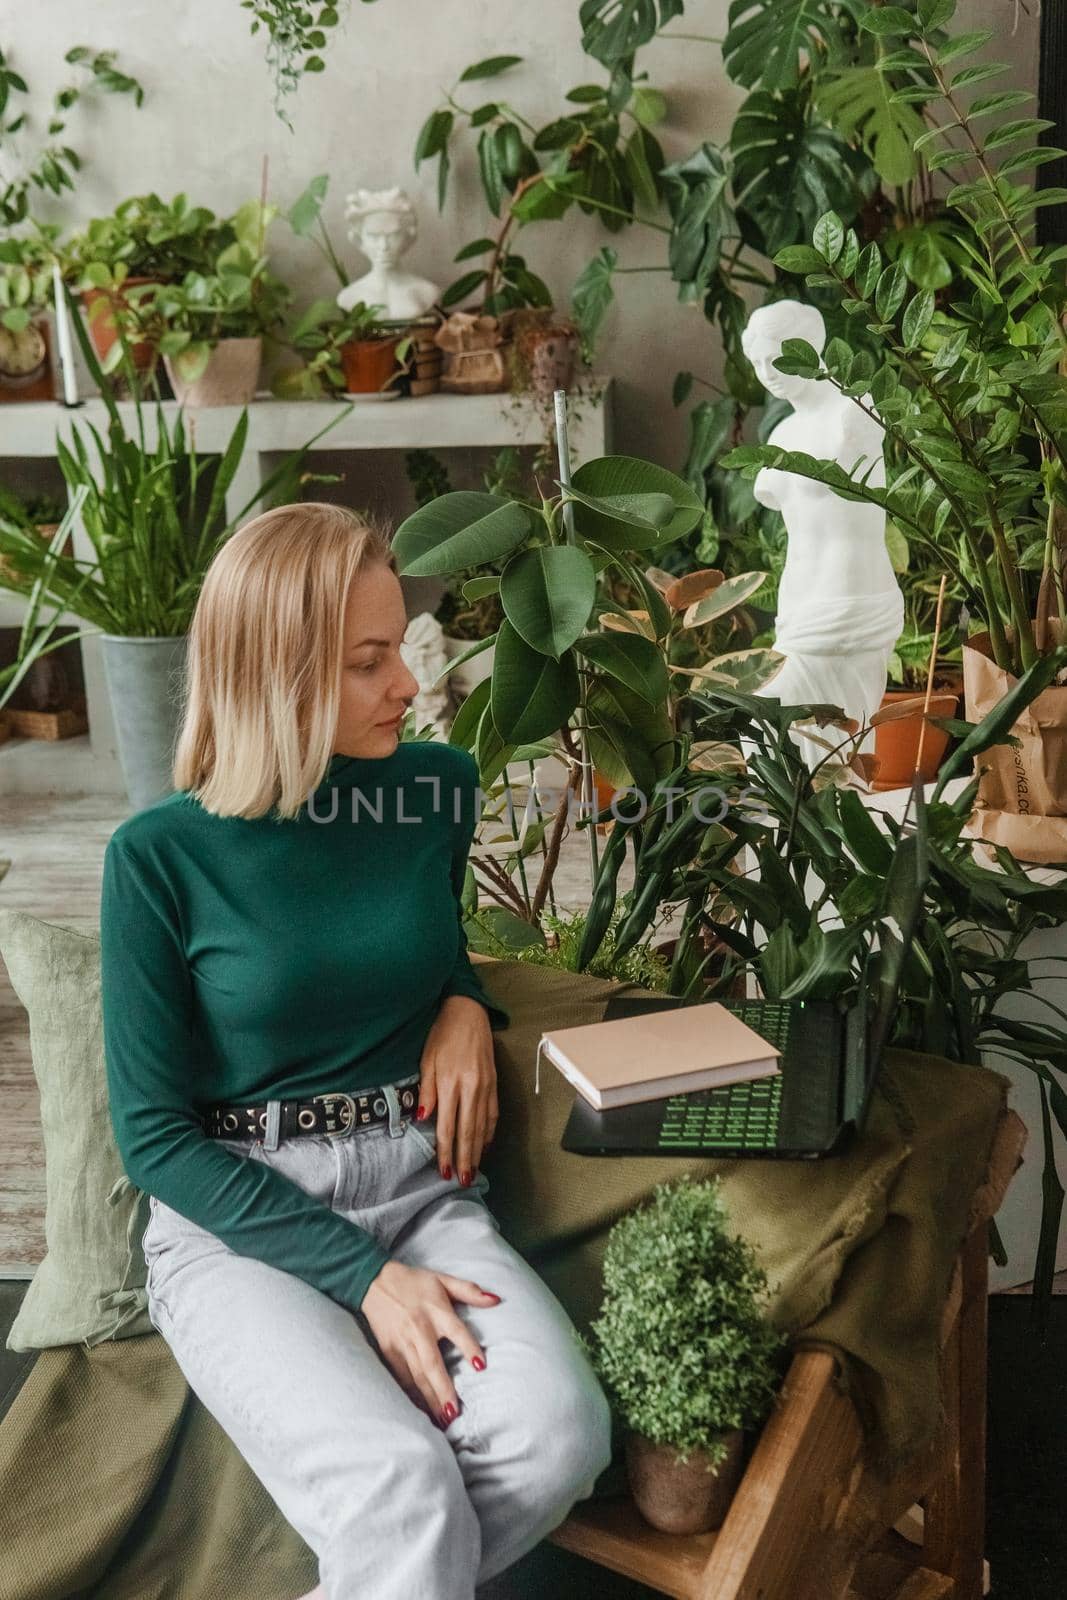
point(425, 654)
point(840, 609)
point(384, 226)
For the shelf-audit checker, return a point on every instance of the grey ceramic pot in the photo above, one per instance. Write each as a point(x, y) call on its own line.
point(146, 686)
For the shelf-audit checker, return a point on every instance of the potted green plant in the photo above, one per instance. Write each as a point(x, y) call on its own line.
point(25, 297)
point(685, 1351)
point(215, 325)
point(153, 518)
point(113, 260)
point(554, 660)
point(346, 353)
point(20, 538)
point(209, 326)
point(900, 745)
point(351, 352)
point(973, 399)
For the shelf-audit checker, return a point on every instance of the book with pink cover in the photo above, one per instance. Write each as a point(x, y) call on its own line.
point(657, 1054)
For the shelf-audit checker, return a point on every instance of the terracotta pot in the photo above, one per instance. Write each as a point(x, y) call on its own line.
point(229, 379)
point(605, 792)
point(102, 329)
point(369, 364)
point(896, 744)
point(678, 1497)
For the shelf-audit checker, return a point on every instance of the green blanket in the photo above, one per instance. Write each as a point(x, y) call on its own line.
point(116, 1484)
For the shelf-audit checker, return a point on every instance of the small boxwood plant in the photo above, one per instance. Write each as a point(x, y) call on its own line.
point(682, 1344)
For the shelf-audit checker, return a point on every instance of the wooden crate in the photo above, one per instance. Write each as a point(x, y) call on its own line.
point(65, 724)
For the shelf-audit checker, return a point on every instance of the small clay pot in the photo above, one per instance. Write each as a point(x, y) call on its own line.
point(552, 355)
point(896, 744)
point(102, 329)
point(369, 364)
point(678, 1497)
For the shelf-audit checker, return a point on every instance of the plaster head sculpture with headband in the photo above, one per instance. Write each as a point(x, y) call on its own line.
point(763, 336)
point(840, 609)
point(384, 223)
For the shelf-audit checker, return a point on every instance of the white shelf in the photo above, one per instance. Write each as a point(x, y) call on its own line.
point(433, 422)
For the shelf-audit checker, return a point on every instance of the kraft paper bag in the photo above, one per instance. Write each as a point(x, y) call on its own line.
point(1022, 789)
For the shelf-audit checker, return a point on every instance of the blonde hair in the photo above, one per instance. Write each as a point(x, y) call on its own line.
point(264, 658)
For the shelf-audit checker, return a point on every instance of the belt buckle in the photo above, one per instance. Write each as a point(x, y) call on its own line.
point(342, 1116)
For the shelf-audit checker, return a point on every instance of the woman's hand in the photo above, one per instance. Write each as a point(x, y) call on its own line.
point(458, 1076)
point(408, 1310)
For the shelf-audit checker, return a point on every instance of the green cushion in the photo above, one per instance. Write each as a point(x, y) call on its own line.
point(90, 1285)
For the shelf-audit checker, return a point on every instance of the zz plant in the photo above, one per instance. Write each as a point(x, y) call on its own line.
point(781, 874)
point(972, 396)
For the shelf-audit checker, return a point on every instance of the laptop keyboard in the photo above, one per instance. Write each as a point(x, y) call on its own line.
point(737, 1116)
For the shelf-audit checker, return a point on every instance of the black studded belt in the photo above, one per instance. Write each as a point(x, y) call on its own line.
point(331, 1114)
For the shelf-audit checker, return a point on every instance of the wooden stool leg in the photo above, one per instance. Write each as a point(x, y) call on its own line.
point(955, 1508)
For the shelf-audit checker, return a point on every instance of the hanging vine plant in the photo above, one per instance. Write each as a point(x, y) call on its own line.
point(297, 37)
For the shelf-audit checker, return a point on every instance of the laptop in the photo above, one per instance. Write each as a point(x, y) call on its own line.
point(830, 1058)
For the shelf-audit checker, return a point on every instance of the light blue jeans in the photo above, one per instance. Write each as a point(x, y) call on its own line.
point(394, 1507)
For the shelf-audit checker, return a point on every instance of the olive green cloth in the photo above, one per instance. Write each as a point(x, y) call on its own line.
point(115, 1484)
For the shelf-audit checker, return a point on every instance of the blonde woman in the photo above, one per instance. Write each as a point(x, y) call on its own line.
point(300, 1066)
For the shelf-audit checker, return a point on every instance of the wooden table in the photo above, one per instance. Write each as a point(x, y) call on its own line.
point(812, 1519)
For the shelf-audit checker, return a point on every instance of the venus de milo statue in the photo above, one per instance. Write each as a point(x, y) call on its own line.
point(840, 609)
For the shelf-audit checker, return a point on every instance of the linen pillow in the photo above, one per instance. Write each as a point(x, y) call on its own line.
point(90, 1285)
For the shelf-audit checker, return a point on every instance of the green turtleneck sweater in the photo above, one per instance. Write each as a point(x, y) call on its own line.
point(243, 960)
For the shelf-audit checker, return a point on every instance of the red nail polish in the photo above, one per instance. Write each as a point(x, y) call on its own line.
point(465, 1178)
point(420, 1114)
point(477, 1363)
point(450, 1412)
point(446, 1172)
